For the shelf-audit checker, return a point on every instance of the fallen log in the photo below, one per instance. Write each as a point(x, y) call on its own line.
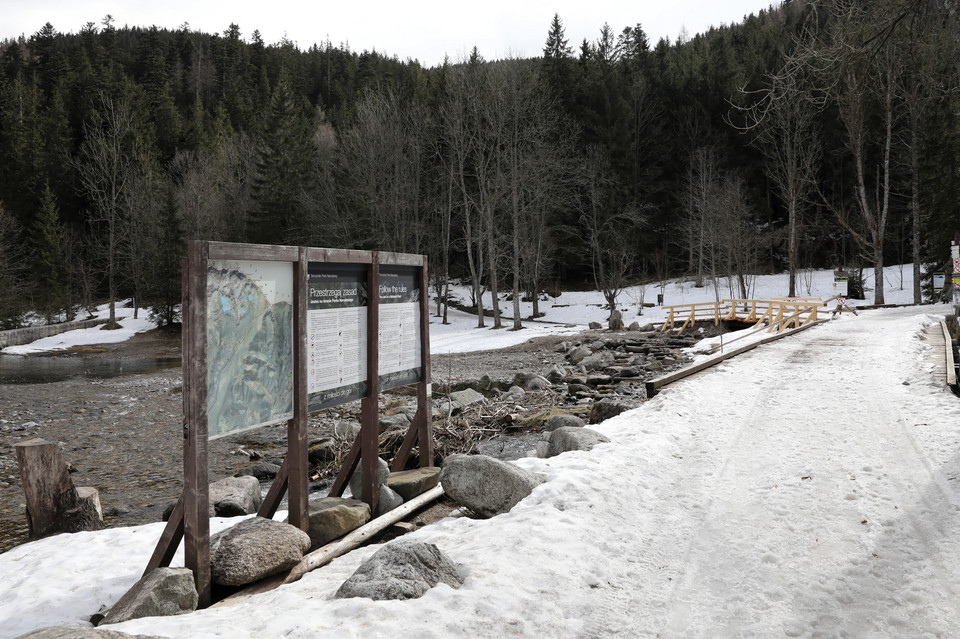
point(331, 551)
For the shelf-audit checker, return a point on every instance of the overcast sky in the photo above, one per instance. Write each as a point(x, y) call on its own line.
point(422, 29)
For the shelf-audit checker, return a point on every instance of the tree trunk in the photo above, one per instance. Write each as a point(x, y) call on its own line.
point(494, 273)
point(915, 207)
point(792, 247)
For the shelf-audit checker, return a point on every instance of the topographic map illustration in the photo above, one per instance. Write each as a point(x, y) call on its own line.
point(249, 344)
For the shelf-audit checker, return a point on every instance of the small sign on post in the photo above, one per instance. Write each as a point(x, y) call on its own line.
point(840, 283)
point(955, 254)
point(939, 280)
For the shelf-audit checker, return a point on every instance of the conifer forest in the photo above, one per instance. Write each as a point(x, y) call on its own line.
point(814, 134)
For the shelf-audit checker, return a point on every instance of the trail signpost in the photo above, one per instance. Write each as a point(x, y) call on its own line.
point(955, 254)
point(271, 333)
point(840, 283)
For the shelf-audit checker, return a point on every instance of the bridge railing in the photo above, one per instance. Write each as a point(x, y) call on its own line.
point(778, 314)
point(690, 313)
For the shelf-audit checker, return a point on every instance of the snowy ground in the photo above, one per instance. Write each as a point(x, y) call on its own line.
point(128, 328)
point(805, 489)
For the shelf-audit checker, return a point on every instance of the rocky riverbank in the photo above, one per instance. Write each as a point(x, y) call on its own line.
point(123, 435)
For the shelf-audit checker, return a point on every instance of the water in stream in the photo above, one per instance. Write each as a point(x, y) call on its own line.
point(16, 369)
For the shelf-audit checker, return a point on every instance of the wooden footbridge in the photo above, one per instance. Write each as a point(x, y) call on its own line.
point(775, 315)
point(778, 314)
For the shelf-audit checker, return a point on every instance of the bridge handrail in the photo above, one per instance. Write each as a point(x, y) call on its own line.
point(777, 312)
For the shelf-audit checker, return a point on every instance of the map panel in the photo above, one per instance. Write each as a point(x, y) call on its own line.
point(249, 345)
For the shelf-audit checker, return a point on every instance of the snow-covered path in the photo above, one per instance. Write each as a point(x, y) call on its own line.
point(811, 509)
point(800, 490)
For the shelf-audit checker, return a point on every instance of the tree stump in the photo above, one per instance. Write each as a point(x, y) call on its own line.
point(54, 505)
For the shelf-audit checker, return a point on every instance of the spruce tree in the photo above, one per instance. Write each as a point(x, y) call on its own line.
point(558, 63)
point(50, 267)
point(164, 290)
point(283, 169)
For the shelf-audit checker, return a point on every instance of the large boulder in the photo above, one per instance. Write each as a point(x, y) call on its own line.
point(383, 473)
point(410, 483)
point(159, 593)
point(514, 394)
point(235, 496)
point(555, 374)
point(333, 517)
point(458, 400)
point(322, 451)
point(579, 354)
point(255, 548)
point(404, 570)
point(263, 471)
point(79, 632)
point(605, 409)
point(394, 421)
point(569, 438)
point(598, 360)
point(387, 500)
point(485, 485)
point(559, 421)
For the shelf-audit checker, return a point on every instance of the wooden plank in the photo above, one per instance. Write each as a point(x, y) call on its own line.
point(270, 503)
point(252, 252)
point(296, 459)
point(948, 355)
point(403, 453)
point(369, 406)
point(196, 523)
point(400, 259)
point(349, 256)
point(333, 550)
point(349, 465)
point(169, 539)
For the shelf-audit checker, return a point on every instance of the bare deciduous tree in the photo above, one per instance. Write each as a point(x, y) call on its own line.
point(783, 123)
point(609, 233)
point(107, 165)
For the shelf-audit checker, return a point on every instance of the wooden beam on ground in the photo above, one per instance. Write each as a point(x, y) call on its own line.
point(331, 551)
point(948, 353)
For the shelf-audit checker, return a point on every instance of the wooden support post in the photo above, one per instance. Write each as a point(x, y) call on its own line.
point(296, 460)
point(369, 406)
point(196, 517)
point(349, 465)
point(270, 503)
point(169, 540)
point(425, 387)
point(409, 439)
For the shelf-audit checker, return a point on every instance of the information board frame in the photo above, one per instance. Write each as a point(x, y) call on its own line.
point(190, 518)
